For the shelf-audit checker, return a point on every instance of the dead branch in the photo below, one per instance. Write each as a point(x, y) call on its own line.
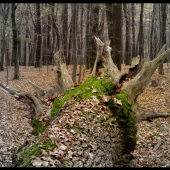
point(142, 73)
point(137, 85)
point(38, 90)
point(104, 55)
point(35, 105)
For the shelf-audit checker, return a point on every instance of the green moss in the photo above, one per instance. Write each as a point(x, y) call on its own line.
point(38, 127)
point(26, 152)
point(48, 144)
point(125, 120)
point(104, 86)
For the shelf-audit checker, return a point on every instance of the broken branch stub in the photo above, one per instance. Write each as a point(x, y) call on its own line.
point(104, 55)
point(62, 79)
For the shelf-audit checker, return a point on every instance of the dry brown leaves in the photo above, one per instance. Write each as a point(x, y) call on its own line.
point(149, 133)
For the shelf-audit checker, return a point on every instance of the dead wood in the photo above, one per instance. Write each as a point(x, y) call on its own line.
point(62, 83)
point(62, 80)
point(35, 105)
point(104, 55)
point(142, 73)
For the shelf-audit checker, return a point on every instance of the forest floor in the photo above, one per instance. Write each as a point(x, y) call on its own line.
point(14, 128)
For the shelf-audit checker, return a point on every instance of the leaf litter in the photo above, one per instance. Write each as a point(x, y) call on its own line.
point(15, 129)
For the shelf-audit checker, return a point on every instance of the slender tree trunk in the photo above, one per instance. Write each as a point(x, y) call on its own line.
point(127, 50)
point(151, 34)
point(74, 35)
point(81, 43)
point(4, 8)
point(87, 37)
point(109, 16)
point(15, 42)
point(70, 43)
point(163, 32)
point(94, 32)
point(101, 26)
point(141, 38)
point(117, 48)
point(114, 22)
point(3, 46)
point(65, 31)
point(38, 32)
point(133, 31)
point(19, 48)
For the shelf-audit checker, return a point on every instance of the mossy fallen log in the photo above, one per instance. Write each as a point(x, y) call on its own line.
point(92, 125)
point(97, 125)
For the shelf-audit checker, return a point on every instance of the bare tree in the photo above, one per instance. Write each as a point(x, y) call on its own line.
point(38, 34)
point(114, 21)
point(140, 36)
point(127, 49)
point(15, 41)
point(74, 36)
point(163, 32)
point(4, 11)
point(133, 31)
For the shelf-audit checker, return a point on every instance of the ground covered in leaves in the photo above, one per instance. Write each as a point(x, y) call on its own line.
point(153, 138)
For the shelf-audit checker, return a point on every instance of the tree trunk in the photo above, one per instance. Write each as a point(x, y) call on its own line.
point(133, 32)
point(4, 9)
point(127, 50)
point(65, 30)
point(19, 48)
point(114, 20)
point(163, 32)
point(141, 38)
point(38, 32)
point(94, 32)
point(15, 42)
point(88, 37)
point(97, 117)
point(151, 34)
point(74, 36)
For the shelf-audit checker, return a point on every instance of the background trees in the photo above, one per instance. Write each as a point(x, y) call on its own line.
point(39, 30)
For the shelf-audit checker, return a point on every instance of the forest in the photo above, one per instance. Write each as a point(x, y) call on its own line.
point(84, 84)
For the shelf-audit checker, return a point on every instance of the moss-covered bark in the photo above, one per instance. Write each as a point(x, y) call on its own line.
point(117, 134)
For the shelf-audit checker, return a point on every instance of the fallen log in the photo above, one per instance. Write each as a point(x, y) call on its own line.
point(91, 125)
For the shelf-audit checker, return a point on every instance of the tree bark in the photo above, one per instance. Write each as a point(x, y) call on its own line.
point(88, 37)
point(114, 20)
point(163, 32)
point(133, 31)
point(151, 34)
point(15, 42)
point(127, 50)
point(4, 12)
point(38, 34)
point(74, 36)
point(141, 38)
